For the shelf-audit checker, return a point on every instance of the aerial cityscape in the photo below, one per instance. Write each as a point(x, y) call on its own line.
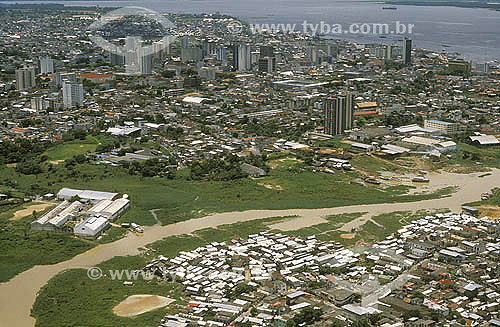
point(218, 163)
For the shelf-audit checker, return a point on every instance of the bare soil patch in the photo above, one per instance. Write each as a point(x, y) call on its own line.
point(38, 206)
point(138, 304)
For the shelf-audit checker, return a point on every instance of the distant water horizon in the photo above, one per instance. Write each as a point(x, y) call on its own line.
point(472, 32)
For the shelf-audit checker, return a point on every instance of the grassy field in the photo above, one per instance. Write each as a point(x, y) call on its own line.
point(487, 157)
point(72, 299)
point(373, 164)
point(23, 248)
point(67, 150)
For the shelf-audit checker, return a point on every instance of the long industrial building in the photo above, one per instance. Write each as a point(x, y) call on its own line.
point(85, 195)
point(57, 217)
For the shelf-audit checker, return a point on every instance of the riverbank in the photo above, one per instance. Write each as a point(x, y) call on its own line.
point(25, 286)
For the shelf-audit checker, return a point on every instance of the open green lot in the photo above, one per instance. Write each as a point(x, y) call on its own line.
point(72, 299)
point(23, 248)
point(67, 150)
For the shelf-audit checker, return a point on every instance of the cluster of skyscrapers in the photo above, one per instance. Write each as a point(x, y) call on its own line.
point(137, 57)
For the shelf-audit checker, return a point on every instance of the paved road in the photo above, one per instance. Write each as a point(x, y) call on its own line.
point(18, 295)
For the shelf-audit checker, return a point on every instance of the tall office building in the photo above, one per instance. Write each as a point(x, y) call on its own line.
point(25, 78)
point(222, 56)
point(62, 77)
point(191, 54)
point(267, 64)
point(242, 57)
point(184, 42)
point(338, 114)
point(72, 94)
point(132, 43)
point(46, 66)
point(407, 51)
point(145, 60)
point(388, 52)
point(162, 48)
point(266, 51)
point(39, 103)
point(116, 59)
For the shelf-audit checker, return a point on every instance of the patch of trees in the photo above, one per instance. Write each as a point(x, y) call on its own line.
point(29, 167)
point(148, 168)
point(216, 169)
point(76, 160)
point(75, 134)
point(241, 288)
point(258, 161)
point(397, 120)
point(268, 128)
point(305, 317)
point(20, 149)
point(107, 146)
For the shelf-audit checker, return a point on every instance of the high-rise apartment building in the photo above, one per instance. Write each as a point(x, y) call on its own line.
point(25, 78)
point(46, 66)
point(338, 114)
point(72, 94)
point(407, 51)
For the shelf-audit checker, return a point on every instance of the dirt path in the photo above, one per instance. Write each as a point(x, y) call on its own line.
point(153, 213)
point(24, 287)
point(35, 206)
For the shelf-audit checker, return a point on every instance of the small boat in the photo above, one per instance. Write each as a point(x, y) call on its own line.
point(389, 8)
point(420, 179)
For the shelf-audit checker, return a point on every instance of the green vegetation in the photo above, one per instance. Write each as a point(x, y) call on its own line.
point(469, 155)
point(68, 150)
point(113, 233)
point(374, 164)
point(306, 316)
point(178, 199)
point(23, 248)
point(72, 299)
point(20, 149)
